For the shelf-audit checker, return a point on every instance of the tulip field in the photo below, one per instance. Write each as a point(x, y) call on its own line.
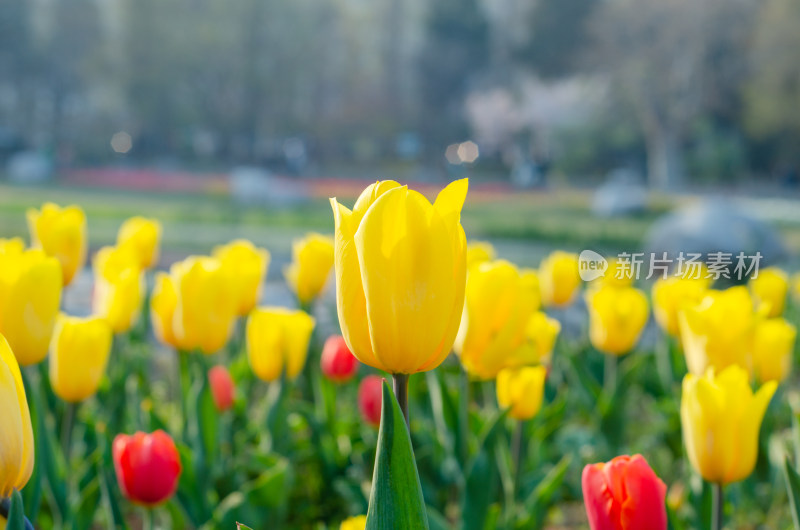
point(397, 373)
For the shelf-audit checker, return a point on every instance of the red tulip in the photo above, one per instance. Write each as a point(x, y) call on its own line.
point(222, 388)
point(147, 466)
point(624, 494)
point(369, 399)
point(337, 362)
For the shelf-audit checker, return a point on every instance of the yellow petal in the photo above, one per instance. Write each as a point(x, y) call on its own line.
point(16, 436)
point(407, 265)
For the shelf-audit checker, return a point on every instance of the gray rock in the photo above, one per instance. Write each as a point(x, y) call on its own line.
point(622, 194)
point(29, 167)
point(711, 226)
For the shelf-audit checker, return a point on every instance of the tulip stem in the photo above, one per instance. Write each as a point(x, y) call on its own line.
point(149, 519)
point(66, 430)
point(516, 451)
point(718, 505)
point(610, 374)
point(400, 384)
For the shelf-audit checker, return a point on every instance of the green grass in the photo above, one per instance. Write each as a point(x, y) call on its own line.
point(196, 222)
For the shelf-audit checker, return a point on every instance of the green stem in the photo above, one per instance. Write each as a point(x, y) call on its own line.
point(400, 384)
point(610, 374)
point(463, 416)
point(516, 455)
point(184, 379)
point(718, 505)
point(67, 425)
point(149, 519)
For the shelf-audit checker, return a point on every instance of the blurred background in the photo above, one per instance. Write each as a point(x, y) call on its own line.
point(579, 122)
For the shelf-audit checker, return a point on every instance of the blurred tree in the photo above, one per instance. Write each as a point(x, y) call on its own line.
point(772, 92)
point(556, 37)
point(70, 63)
point(456, 48)
point(672, 61)
point(17, 64)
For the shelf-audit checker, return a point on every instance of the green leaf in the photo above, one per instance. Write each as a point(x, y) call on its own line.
point(396, 498)
point(481, 476)
point(16, 515)
point(793, 485)
point(541, 497)
point(89, 501)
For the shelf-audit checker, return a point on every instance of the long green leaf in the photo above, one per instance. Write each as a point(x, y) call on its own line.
point(793, 485)
point(396, 498)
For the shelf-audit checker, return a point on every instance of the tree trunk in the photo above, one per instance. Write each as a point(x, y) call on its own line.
point(665, 169)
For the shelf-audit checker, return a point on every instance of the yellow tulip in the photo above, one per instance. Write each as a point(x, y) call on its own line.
point(248, 267)
point(671, 295)
point(11, 247)
point(795, 285)
point(542, 332)
point(118, 287)
point(30, 295)
point(143, 237)
point(163, 302)
point(617, 316)
point(559, 278)
point(479, 252)
point(194, 307)
point(521, 390)
point(312, 260)
point(16, 436)
point(721, 417)
point(359, 522)
point(500, 301)
point(718, 331)
point(277, 341)
point(78, 356)
point(400, 275)
point(773, 347)
point(769, 289)
point(61, 233)
point(616, 275)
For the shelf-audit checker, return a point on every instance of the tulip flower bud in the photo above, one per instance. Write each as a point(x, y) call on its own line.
point(479, 252)
point(721, 417)
point(500, 326)
point(624, 494)
point(277, 341)
point(194, 306)
point(617, 316)
point(61, 233)
point(369, 399)
point(30, 295)
point(400, 275)
point(773, 347)
point(147, 465)
point(222, 387)
point(559, 279)
point(162, 309)
point(142, 237)
point(312, 260)
point(671, 295)
point(521, 390)
point(118, 287)
point(11, 246)
point(616, 275)
point(337, 362)
point(717, 332)
point(769, 289)
point(78, 356)
point(16, 449)
point(248, 266)
point(359, 522)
